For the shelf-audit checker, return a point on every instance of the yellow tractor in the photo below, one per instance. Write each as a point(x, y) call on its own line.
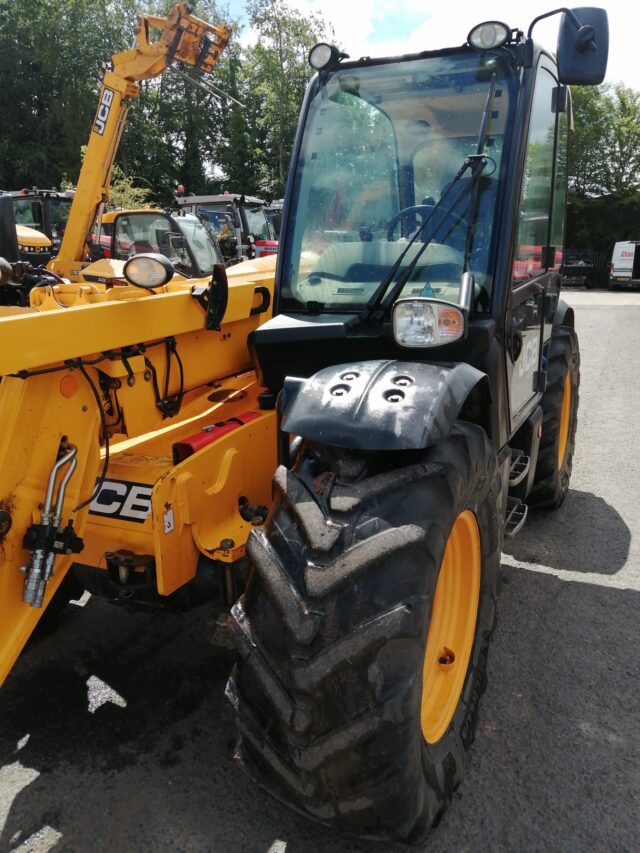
point(415, 392)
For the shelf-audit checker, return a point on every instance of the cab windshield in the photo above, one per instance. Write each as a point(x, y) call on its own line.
point(60, 209)
point(28, 211)
point(381, 148)
point(257, 222)
point(202, 241)
point(183, 240)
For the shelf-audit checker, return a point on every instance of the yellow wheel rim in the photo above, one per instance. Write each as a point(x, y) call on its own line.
point(565, 420)
point(452, 627)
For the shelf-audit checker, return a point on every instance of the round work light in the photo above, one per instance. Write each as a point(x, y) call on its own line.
point(148, 270)
point(488, 35)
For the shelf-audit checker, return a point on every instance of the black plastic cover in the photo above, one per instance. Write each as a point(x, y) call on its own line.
point(379, 405)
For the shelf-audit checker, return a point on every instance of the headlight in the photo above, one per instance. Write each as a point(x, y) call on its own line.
point(426, 323)
point(148, 271)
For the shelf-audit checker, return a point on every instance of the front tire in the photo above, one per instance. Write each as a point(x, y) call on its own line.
point(341, 688)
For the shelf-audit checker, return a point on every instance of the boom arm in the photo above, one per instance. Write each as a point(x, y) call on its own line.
point(185, 39)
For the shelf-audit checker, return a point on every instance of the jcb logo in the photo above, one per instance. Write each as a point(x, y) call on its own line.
point(103, 111)
point(119, 499)
point(528, 361)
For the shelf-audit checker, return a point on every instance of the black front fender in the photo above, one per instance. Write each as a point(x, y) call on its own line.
point(564, 315)
point(379, 405)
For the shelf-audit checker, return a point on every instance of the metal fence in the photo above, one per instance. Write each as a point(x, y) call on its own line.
point(581, 267)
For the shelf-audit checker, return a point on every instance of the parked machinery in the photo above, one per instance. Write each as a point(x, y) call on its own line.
point(240, 222)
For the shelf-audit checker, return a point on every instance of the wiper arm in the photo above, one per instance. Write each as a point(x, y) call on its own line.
point(476, 162)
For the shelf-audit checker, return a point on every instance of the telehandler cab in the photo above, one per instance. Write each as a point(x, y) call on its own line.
point(188, 242)
point(43, 211)
point(240, 221)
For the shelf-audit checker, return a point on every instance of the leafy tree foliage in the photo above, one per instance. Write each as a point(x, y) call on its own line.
point(51, 52)
point(605, 148)
point(50, 57)
point(124, 193)
point(280, 72)
point(604, 168)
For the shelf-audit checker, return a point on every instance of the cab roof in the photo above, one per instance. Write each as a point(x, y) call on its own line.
point(110, 215)
point(226, 198)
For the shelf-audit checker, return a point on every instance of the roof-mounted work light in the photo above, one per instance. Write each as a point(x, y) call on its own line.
point(489, 35)
point(323, 55)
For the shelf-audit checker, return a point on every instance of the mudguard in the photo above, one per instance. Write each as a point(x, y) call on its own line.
point(564, 315)
point(379, 405)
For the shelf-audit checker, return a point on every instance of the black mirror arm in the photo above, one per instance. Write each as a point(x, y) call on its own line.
point(585, 39)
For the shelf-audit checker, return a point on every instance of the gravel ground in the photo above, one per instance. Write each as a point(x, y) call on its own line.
point(115, 735)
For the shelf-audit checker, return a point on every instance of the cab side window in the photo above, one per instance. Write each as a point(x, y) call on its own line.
point(538, 198)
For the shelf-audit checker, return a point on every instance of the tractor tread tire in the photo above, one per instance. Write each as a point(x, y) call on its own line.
point(330, 637)
point(551, 483)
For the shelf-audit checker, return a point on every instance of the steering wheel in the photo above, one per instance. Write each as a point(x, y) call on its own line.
point(423, 211)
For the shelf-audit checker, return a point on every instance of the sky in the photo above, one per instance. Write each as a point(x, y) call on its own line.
point(392, 27)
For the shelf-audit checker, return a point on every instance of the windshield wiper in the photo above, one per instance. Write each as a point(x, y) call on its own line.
point(377, 302)
point(378, 305)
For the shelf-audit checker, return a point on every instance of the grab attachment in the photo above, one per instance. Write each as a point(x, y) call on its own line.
point(47, 539)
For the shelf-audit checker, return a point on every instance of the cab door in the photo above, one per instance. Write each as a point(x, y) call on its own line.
point(535, 275)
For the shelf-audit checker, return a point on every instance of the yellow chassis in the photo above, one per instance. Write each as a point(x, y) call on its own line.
point(194, 505)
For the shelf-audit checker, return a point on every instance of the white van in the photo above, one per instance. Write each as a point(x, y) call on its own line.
point(624, 270)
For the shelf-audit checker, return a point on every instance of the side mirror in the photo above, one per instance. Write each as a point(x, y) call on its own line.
point(583, 51)
point(235, 213)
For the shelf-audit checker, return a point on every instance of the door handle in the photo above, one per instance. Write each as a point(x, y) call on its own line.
point(515, 345)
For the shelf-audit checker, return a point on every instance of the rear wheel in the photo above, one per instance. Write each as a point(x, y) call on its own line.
point(560, 418)
point(364, 631)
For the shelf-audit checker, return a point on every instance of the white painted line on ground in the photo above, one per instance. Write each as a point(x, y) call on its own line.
point(99, 693)
point(621, 580)
point(13, 778)
point(40, 842)
point(612, 299)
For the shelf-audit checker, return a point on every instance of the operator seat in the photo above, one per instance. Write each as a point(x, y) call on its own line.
point(487, 193)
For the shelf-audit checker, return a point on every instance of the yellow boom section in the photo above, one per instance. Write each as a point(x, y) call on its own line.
point(184, 38)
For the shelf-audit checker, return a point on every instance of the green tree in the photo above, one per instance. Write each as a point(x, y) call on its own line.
point(124, 193)
point(279, 73)
point(239, 135)
point(51, 54)
point(50, 57)
point(605, 146)
point(604, 168)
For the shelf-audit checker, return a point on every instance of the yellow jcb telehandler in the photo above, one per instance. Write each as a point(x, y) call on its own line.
point(121, 381)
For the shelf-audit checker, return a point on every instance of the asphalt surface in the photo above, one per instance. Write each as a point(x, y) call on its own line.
point(115, 735)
